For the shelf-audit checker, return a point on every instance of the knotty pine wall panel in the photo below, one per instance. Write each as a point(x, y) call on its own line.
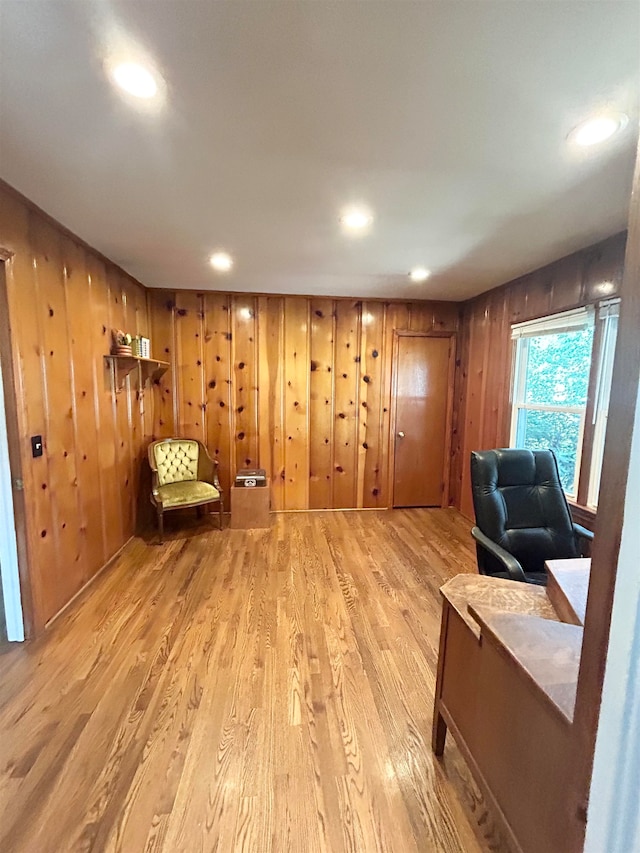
point(84, 391)
point(121, 410)
point(346, 390)
point(244, 348)
point(271, 438)
point(217, 383)
point(278, 372)
point(321, 403)
point(190, 375)
point(59, 442)
point(106, 449)
point(372, 441)
point(80, 496)
point(164, 408)
point(482, 415)
point(297, 365)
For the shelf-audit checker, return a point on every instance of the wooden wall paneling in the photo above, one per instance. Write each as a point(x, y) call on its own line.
point(84, 355)
point(446, 317)
point(27, 372)
point(516, 298)
point(141, 400)
point(421, 316)
point(189, 364)
point(498, 355)
point(60, 315)
point(321, 404)
point(296, 402)
point(433, 316)
point(582, 278)
point(165, 398)
point(121, 407)
point(244, 348)
point(538, 286)
point(217, 382)
point(138, 299)
point(603, 269)
point(106, 447)
point(133, 389)
point(458, 420)
point(271, 438)
point(478, 353)
point(566, 282)
point(346, 391)
point(65, 574)
point(448, 441)
point(373, 443)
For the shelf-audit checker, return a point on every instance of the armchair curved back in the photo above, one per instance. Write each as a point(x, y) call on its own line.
point(520, 504)
point(175, 460)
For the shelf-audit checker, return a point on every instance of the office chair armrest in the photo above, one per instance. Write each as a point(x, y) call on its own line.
point(513, 567)
point(582, 532)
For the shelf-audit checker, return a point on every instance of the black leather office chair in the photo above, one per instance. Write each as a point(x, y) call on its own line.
point(522, 515)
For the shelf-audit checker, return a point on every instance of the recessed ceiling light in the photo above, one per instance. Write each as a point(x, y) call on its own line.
point(419, 274)
point(598, 129)
point(134, 79)
point(221, 261)
point(356, 219)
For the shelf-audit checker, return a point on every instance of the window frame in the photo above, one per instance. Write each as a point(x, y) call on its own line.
point(592, 428)
point(602, 358)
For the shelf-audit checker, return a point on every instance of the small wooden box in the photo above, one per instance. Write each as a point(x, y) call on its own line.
point(250, 507)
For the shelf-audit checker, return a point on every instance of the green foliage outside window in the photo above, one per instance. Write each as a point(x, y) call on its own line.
point(557, 374)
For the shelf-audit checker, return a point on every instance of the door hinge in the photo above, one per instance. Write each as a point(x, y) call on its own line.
point(18, 484)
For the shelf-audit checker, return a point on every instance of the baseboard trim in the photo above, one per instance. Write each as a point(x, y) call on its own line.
point(86, 585)
point(333, 509)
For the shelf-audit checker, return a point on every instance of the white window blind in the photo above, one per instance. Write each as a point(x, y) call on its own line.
point(567, 321)
point(608, 313)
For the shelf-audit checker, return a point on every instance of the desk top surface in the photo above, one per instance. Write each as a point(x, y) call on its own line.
point(505, 595)
point(568, 587)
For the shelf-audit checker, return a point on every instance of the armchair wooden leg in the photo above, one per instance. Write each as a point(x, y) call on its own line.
point(160, 525)
point(221, 510)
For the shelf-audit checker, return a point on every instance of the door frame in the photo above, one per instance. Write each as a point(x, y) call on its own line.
point(406, 333)
point(20, 625)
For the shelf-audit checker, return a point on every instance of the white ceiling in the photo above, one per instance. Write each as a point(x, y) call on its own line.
point(449, 119)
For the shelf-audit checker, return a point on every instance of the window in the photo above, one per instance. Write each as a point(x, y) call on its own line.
point(562, 378)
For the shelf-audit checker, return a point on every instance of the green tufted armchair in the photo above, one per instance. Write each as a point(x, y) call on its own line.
point(183, 475)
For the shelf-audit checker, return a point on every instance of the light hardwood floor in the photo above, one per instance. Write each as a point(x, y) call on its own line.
point(245, 691)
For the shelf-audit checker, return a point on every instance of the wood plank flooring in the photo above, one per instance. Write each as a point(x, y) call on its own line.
point(263, 691)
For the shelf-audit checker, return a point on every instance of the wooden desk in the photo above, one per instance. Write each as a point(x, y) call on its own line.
point(506, 684)
point(567, 588)
point(250, 507)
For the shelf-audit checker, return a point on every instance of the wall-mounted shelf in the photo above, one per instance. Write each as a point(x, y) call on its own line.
point(122, 365)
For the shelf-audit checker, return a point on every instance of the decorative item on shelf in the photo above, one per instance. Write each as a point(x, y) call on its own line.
point(141, 347)
point(121, 342)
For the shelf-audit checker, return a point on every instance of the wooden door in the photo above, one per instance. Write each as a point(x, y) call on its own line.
point(423, 384)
